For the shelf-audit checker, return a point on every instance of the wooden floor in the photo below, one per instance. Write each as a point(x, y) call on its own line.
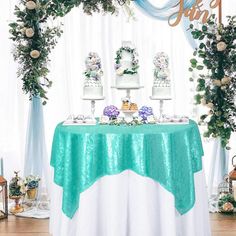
point(222, 225)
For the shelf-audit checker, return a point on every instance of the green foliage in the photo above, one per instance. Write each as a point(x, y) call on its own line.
point(224, 199)
point(215, 57)
point(34, 39)
point(135, 66)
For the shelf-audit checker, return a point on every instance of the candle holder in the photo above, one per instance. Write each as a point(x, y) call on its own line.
point(3, 198)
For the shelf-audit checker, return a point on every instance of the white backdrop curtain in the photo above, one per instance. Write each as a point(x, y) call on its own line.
point(83, 34)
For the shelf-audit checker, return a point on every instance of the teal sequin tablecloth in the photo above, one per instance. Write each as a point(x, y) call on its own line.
point(168, 154)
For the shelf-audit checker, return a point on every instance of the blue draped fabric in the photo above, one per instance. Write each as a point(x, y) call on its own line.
point(163, 13)
point(35, 151)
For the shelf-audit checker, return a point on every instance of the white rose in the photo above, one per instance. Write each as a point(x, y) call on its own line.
point(208, 118)
point(223, 87)
point(35, 54)
point(216, 82)
point(100, 72)
point(226, 80)
point(22, 30)
point(203, 101)
point(221, 46)
point(29, 32)
point(120, 71)
point(218, 37)
point(31, 5)
point(210, 105)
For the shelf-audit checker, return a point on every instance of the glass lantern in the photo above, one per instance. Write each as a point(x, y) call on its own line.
point(3, 198)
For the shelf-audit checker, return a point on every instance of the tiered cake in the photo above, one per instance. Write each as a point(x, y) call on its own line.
point(92, 83)
point(126, 65)
point(161, 88)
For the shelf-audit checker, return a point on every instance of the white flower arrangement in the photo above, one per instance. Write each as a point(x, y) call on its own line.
point(93, 66)
point(161, 61)
point(118, 67)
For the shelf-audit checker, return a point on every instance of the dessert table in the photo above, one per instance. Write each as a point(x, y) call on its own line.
point(128, 181)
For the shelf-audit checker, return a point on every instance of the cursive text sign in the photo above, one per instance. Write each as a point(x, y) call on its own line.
point(196, 12)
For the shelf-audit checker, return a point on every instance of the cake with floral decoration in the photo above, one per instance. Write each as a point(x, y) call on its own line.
point(126, 66)
point(161, 84)
point(92, 83)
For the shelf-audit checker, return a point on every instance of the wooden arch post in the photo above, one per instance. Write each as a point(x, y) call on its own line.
point(220, 12)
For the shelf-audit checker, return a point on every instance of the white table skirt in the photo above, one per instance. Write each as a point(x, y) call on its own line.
point(128, 204)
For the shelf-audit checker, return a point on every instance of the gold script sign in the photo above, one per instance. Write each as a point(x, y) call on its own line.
point(194, 13)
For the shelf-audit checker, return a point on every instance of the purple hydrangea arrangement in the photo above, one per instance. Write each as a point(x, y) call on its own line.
point(111, 111)
point(144, 112)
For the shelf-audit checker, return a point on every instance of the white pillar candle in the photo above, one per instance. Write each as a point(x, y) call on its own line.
point(1, 167)
point(234, 192)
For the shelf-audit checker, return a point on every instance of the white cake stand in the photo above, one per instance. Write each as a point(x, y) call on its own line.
point(128, 89)
point(93, 102)
point(161, 104)
point(128, 114)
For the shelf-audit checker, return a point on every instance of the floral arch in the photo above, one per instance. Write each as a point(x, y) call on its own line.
point(34, 39)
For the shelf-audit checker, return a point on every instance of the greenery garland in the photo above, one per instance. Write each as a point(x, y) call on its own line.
point(216, 85)
point(34, 38)
point(135, 66)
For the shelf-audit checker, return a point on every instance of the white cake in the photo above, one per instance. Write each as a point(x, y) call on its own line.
point(92, 83)
point(127, 66)
point(161, 88)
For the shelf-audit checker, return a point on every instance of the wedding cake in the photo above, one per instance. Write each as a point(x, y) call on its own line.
point(126, 66)
point(92, 82)
point(161, 85)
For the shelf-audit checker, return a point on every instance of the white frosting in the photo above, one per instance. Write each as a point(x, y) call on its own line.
point(161, 92)
point(93, 92)
point(127, 44)
point(127, 81)
point(126, 64)
point(126, 56)
point(91, 82)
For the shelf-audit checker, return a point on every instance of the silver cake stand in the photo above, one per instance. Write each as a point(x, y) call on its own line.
point(93, 106)
point(161, 104)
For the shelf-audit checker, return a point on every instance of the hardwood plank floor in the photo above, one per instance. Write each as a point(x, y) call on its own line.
point(222, 225)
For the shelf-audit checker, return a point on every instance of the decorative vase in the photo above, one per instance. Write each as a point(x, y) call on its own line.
point(31, 193)
point(17, 208)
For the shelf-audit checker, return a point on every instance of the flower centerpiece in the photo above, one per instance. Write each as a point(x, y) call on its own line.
point(111, 111)
point(215, 60)
point(31, 184)
point(93, 66)
point(121, 70)
point(16, 191)
point(144, 112)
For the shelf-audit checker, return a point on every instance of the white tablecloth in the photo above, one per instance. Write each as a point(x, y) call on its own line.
point(130, 205)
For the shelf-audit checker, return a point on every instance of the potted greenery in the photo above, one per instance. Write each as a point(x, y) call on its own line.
point(31, 184)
